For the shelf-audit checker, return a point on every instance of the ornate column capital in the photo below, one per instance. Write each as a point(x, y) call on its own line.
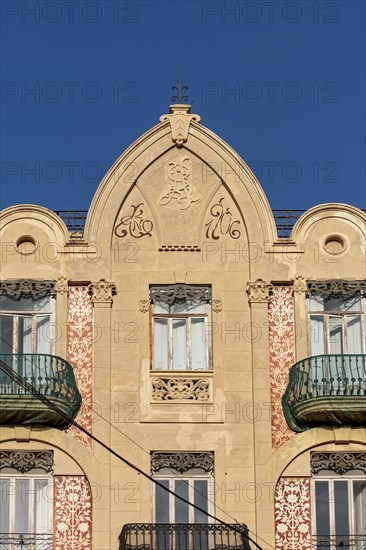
point(102, 291)
point(62, 285)
point(300, 286)
point(259, 291)
point(180, 120)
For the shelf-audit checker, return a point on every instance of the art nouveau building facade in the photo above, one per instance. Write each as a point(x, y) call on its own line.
point(222, 359)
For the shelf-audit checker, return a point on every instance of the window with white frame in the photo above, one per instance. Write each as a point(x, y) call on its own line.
point(337, 317)
point(26, 499)
point(181, 316)
point(189, 475)
point(339, 500)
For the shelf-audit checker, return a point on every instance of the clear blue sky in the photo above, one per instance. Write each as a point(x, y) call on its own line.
point(282, 82)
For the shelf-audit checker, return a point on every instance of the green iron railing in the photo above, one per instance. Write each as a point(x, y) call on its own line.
point(49, 375)
point(323, 376)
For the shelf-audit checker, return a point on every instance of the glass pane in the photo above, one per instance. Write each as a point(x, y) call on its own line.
point(322, 509)
point(24, 334)
point(41, 513)
point(354, 334)
point(43, 334)
point(359, 503)
point(181, 514)
point(199, 344)
point(21, 519)
point(161, 344)
point(316, 303)
point(179, 344)
point(200, 499)
point(162, 502)
point(6, 334)
point(317, 335)
point(335, 335)
point(341, 513)
point(5, 490)
point(343, 303)
point(26, 304)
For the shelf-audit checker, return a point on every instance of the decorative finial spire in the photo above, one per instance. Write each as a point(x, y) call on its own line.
point(180, 96)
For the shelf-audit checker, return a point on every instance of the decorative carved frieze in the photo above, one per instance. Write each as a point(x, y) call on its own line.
point(182, 461)
point(179, 192)
point(300, 285)
point(180, 389)
point(222, 223)
point(170, 294)
point(62, 286)
point(180, 120)
point(144, 306)
point(27, 288)
point(216, 306)
point(259, 291)
point(102, 291)
point(24, 461)
point(340, 462)
point(333, 288)
point(134, 225)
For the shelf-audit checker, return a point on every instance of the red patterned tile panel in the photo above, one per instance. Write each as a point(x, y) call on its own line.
point(293, 514)
point(281, 357)
point(80, 355)
point(72, 528)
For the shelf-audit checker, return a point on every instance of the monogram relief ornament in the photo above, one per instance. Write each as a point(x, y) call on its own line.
point(180, 192)
point(102, 291)
point(134, 225)
point(259, 291)
point(222, 223)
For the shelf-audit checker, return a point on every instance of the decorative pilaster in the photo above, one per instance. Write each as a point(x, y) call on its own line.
point(293, 514)
point(72, 513)
point(80, 355)
point(259, 291)
point(102, 291)
point(281, 357)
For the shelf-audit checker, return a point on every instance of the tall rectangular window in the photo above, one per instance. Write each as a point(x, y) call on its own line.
point(180, 327)
point(337, 324)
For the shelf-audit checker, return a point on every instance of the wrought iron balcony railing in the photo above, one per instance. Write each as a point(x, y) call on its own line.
point(183, 536)
point(25, 541)
point(49, 375)
point(326, 390)
point(339, 542)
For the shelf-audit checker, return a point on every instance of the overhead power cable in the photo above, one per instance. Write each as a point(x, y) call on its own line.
point(30, 389)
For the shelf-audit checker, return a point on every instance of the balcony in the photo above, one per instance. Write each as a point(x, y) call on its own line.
point(326, 390)
point(339, 542)
point(49, 375)
point(183, 536)
point(23, 541)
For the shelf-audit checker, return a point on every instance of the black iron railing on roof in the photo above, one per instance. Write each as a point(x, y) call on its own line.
point(75, 221)
point(183, 536)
